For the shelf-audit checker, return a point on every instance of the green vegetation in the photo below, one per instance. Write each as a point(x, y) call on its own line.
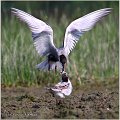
point(95, 56)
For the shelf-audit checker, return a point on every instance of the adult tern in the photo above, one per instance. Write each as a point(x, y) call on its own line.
point(42, 35)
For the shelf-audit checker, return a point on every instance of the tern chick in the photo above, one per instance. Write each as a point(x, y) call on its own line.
point(63, 88)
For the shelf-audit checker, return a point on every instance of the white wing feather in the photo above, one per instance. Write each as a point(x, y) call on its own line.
point(42, 33)
point(80, 25)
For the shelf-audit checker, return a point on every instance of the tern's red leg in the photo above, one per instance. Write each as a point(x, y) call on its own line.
point(65, 66)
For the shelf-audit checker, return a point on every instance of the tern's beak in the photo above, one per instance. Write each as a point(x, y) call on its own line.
point(62, 72)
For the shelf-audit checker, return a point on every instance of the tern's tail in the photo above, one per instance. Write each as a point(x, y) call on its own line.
point(44, 66)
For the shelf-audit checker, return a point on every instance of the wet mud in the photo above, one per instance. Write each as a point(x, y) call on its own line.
point(87, 101)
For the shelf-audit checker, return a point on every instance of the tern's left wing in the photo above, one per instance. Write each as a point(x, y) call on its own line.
point(81, 25)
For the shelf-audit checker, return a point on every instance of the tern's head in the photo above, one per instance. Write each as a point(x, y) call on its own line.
point(64, 76)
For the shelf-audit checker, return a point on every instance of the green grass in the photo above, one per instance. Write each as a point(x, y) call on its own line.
point(95, 56)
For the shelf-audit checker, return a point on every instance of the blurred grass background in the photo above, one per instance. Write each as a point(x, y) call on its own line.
point(95, 57)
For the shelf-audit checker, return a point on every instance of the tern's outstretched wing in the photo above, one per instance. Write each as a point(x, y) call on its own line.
point(81, 25)
point(42, 34)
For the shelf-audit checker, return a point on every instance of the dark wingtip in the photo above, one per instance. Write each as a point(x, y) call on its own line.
point(109, 9)
point(14, 9)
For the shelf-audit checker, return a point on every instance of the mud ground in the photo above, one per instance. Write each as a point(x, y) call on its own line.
point(91, 100)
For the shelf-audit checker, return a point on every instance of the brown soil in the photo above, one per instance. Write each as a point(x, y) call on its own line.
point(98, 101)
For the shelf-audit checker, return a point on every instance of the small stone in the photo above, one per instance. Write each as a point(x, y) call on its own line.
point(35, 106)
